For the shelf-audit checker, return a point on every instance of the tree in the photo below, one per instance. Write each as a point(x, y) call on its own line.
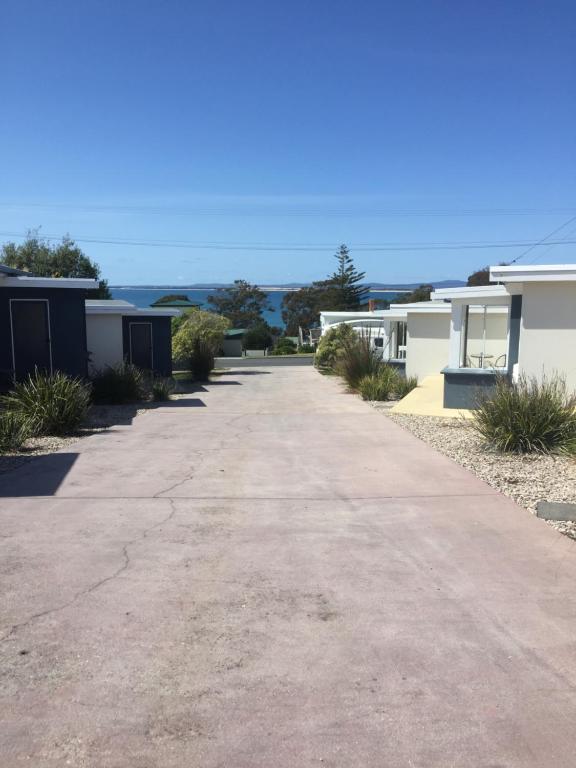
point(342, 291)
point(346, 283)
point(480, 277)
point(40, 258)
point(300, 309)
point(259, 336)
point(170, 297)
point(422, 293)
point(194, 326)
point(242, 303)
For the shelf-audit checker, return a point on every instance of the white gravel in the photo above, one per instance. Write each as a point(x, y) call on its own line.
point(526, 479)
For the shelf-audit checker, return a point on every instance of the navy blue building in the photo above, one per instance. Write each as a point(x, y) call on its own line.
point(42, 325)
point(147, 342)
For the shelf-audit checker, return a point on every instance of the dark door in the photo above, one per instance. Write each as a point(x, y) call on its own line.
point(30, 337)
point(141, 345)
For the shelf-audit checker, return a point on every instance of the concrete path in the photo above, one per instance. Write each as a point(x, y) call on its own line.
point(270, 574)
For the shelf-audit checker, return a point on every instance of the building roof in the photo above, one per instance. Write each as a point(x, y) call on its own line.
point(234, 333)
point(120, 307)
point(472, 292)
point(534, 273)
point(423, 307)
point(5, 270)
point(352, 315)
point(26, 280)
point(109, 304)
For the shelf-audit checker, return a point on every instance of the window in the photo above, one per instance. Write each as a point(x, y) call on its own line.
point(484, 339)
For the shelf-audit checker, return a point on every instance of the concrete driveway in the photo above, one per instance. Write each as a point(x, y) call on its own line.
point(269, 574)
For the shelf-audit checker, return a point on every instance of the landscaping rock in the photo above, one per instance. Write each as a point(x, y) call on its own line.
point(528, 479)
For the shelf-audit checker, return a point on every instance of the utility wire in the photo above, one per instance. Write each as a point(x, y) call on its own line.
point(307, 247)
point(247, 209)
point(564, 239)
point(544, 239)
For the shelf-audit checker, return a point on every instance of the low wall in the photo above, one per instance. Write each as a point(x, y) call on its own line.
point(462, 386)
point(270, 361)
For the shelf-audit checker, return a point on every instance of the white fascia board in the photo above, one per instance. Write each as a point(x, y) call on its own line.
point(360, 320)
point(471, 293)
point(396, 312)
point(534, 273)
point(353, 315)
point(48, 282)
point(153, 312)
point(129, 310)
point(422, 307)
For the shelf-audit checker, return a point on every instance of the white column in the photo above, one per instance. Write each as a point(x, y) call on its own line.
point(455, 334)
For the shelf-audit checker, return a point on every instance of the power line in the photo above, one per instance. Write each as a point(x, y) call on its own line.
point(544, 239)
point(564, 239)
point(273, 210)
point(421, 246)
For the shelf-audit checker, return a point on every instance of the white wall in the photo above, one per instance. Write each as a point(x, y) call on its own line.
point(427, 344)
point(104, 337)
point(548, 331)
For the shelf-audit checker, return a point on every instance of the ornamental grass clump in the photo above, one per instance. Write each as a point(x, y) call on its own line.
point(378, 386)
point(529, 416)
point(119, 384)
point(356, 360)
point(405, 385)
point(14, 431)
point(49, 404)
point(161, 389)
point(386, 384)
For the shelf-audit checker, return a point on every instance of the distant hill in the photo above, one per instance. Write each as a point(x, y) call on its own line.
point(295, 286)
point(411, 286)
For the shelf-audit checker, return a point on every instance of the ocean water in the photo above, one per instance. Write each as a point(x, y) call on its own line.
point(144, 297)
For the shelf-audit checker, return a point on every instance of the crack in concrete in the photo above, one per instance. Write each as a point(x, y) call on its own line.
point(202, 453)
point(93, 587)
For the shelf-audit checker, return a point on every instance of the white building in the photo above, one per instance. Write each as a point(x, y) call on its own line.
point(118, 331)
point(526, 324)
point(413, 337)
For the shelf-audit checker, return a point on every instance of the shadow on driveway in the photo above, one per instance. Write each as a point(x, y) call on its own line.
point(37, 475)
point(241, 373)
point(182, 402)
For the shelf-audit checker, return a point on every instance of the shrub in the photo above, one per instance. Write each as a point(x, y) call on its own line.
point(161, 389)
point(356, 360)
point(14, 430)
point(197, 324)
point(201, 361)
point(330, 347)
point(382, 385)
point(284, 346)
point(529, 416)
point(258, 337)
point(405, 385)
point(50, 404)
point(119, 384)
point(375, 387)
point(306, 348)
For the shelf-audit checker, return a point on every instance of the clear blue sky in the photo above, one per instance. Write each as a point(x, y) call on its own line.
point(298, 122)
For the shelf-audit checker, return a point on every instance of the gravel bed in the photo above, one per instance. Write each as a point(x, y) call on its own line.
point(526, 479)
